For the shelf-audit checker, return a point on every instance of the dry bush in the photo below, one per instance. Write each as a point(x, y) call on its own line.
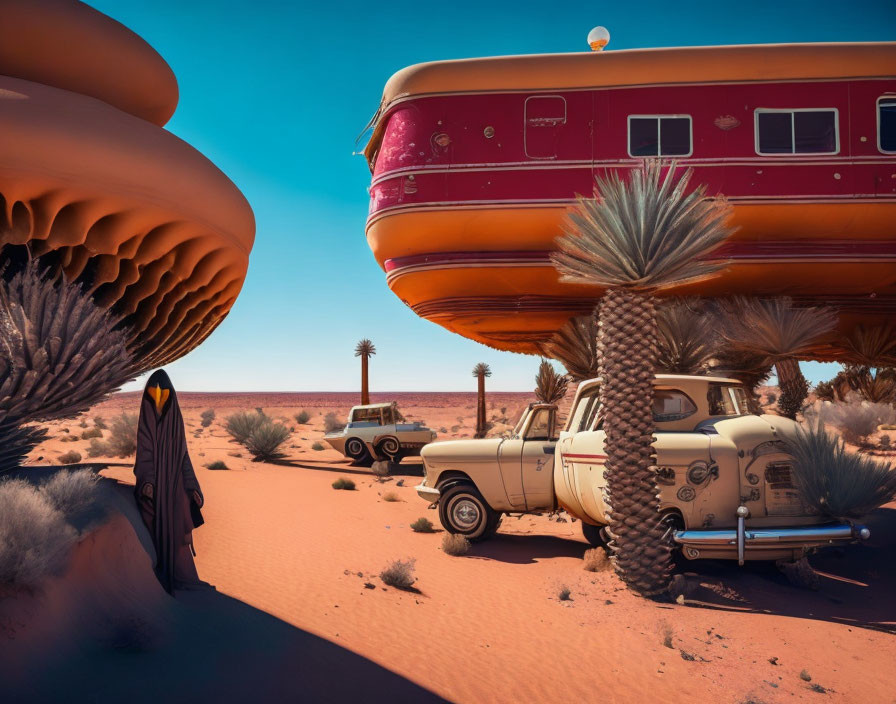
point(265, 440)
point(207, 417)
point(422, 525)
point(455, 544)
point(834, 481)
point(565, 594)
point(391, 497)
point(597, 560)
point(94, 432)
point(318, 446)
point(70, 457)
point(399, 574)
point(217, 464)
point(240, 425)
point(76, 495)
point(99, 448)
point(332, 424)
point(100, 422)
point(303, 417)
point(122, 438)
point(35, 540)
point(344, 484)
point(857, 419)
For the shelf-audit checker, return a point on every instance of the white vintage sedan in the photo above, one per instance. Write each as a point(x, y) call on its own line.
point(377, 432)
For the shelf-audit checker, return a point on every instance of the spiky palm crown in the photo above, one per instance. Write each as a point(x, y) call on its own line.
point(872, 346)
point(482, 369)
point(59, 353)
point(644, 234)
point(550, 386)
point(687, 340)
point(365, 348)
point(575, 347)
point(773, 327)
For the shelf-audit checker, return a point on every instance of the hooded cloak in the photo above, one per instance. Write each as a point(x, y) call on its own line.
point(167, 490)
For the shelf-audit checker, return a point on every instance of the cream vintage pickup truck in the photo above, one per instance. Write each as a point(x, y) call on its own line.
point(724, 475)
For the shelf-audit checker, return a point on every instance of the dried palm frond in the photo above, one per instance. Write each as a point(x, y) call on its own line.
point(834, 481)
point(645, 233)
point(550, 386)
point(575, 347)
point(872, 346)
point(687, 340)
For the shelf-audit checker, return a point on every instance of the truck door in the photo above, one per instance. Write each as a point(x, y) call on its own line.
point(510, 453)
point(537, 460)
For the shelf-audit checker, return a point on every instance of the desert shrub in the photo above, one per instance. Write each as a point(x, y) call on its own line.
point(265, 440)
point(332, 424)
point(455, 544)
point(399, 574)
point(76, 495)
point(217, 464)
point(91, 433)
point(596, 560)
point(241, 425)
point(391, 497)
point(824, 391)
point(207, 417)
point(344, 484)
point(565, 594)
point(885, 441)
point(422, 525)
point(834, 481)
point(122, 438)
point(83, 423)
point(70, 457)
point(99, 448)
point(100, 422)
point(317, 447)
point(35, 540)
point(303, 417)
point(69, 438)
point(772, 397)
point(443, 429)
point(857, 419)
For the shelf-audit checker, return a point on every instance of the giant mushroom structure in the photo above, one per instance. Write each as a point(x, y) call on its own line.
point(96, 194)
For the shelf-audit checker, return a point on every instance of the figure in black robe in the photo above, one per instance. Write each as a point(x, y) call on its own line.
point(167, 490)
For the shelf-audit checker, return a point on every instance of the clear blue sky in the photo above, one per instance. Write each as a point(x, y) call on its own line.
point(275, 92)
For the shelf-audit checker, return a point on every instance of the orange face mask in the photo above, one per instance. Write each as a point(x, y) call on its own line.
point(159, 395)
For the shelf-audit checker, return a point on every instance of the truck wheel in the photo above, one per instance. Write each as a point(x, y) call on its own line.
point(389, 448)
point(463, 511)
point(594, 535)
point(356, 450)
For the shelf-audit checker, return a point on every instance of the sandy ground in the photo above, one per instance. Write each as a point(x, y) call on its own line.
point(490, 627)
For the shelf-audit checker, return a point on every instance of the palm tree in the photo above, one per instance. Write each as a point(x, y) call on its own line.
point(480, 371)
point(365, 350)
point(777, 330)
point(687, 341)
point(59, 354)
point(635, 238)
point(550, 386)
point(871, 369)
point(575, 347)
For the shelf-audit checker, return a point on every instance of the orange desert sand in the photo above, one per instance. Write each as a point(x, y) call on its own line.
point(489, 627)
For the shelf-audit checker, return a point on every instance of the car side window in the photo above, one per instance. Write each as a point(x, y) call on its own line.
point(540, 426)
point(388, 418)
point(672, 404)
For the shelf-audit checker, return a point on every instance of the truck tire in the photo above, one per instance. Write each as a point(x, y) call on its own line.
point(356, 451)
point(594, 535)
point(463, 511)
point(389, 448)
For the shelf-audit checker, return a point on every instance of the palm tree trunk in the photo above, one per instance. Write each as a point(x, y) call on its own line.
point(365, 394)
point(480, 407)
point(793, 385)
point(627, 343)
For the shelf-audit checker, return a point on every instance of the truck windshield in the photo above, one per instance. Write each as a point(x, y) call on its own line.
point(727, 400)
point(583, 415)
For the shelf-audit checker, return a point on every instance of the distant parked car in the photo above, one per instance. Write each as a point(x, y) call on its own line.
point(378, 432)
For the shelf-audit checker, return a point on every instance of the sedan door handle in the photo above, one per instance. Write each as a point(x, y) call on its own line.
point(549, 449)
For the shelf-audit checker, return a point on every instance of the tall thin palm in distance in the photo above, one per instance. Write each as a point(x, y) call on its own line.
point(480, 371)
point(59, 354)
point(575, 347)
point(779, 331)
point(636, 237)
point(365, 349)
point(550, 386)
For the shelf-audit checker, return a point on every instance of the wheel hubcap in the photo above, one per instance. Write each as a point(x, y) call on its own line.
point(354, 448)
point(465, 514)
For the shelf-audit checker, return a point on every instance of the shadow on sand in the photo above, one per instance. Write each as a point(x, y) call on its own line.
point(405, 469)
point(205, 646)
